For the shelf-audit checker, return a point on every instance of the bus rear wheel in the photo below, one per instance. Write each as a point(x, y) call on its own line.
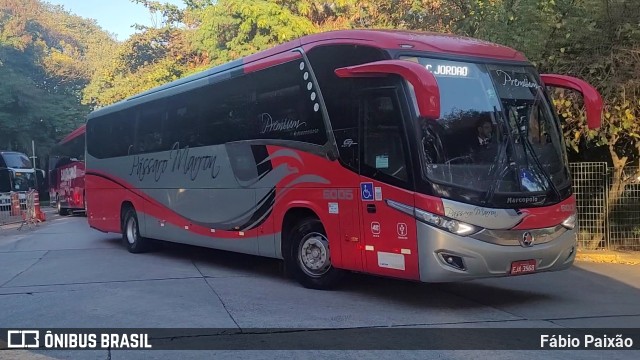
point(131, 233)
point(309, 256)
point(61, 211)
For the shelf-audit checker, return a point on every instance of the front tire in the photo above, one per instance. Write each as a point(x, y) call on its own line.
point(131, 233)
point(309, 256)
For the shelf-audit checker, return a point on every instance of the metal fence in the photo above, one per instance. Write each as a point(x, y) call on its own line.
point(9, 214)
point(20, 208)
point(608, 206)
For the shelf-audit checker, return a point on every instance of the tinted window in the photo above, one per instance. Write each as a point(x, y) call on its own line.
point(149, 135)
point(112, 135)
point(287, 105)
point(73, 149)
point(280, 103)
point(338, 93)
point(225, 111)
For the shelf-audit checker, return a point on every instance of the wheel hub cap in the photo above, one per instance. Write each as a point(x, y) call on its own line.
point(314, 254)
point(131, 231)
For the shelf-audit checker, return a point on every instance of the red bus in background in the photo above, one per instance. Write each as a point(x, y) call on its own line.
point(66, 173)
point(418, 156)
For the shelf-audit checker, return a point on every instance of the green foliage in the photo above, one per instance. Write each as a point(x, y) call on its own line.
point(148, 59)
point(231, 29)
point(47, 56)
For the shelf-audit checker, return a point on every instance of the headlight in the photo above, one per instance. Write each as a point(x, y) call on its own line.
point(445, 223)
point(570, 222)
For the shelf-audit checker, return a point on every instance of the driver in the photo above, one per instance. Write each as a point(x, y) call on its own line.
point(484, 148)
point(485, 131)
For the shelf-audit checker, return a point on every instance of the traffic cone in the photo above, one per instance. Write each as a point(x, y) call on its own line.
point(39, 214)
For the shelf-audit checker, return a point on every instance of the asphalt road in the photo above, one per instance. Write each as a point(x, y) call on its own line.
point(64, 274)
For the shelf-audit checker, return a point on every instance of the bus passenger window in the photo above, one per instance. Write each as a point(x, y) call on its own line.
point(149, 134)
point(122, 129)
point(287, 106)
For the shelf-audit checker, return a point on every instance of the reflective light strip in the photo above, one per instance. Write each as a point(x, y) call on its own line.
point(369, 247)
point(401, 207)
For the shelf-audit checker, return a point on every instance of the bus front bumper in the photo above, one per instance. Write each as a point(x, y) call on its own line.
point(480, 259)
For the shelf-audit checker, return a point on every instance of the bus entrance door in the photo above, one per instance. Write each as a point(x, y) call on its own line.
point(389, 234)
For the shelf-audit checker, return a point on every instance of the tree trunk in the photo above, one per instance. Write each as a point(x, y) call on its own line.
point(614, 193)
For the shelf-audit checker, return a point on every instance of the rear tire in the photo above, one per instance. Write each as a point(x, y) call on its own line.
point(309, 258)
point(60, 210)
point(131, 233)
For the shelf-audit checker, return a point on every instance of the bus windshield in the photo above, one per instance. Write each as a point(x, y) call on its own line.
point(17, 161)
point(23, 181)
point(497, 134)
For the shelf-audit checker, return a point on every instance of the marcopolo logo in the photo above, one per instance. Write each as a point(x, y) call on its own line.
point(527, 239)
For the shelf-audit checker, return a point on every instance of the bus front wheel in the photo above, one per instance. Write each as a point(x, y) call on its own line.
point(131, 233)
point(309, 256)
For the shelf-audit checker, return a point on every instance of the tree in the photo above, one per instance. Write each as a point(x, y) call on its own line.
point(46, 58)
point(230, 29)
point(146, 60)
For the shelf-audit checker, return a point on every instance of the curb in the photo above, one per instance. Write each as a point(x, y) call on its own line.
point(609, 257)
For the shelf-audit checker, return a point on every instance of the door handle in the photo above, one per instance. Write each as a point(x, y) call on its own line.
point(371, 208)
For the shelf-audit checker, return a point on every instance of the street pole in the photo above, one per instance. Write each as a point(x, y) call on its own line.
point(33, 157)
point(33, 163)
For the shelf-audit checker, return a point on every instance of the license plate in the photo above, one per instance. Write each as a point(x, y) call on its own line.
point(523, 267)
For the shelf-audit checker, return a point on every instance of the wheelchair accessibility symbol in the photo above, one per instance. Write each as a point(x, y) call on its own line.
point(366, 191)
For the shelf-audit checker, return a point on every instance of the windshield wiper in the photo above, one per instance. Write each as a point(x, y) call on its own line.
point(500, 163)
point(527, 145)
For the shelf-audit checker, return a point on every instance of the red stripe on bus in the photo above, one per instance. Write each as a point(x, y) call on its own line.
point(270, 61)
point(548, 216)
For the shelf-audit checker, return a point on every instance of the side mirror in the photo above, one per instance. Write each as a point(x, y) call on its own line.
point(424, 83)
point(592, 99)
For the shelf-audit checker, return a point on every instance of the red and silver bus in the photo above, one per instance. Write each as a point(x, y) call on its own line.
point(66, 173)
point(418, 156)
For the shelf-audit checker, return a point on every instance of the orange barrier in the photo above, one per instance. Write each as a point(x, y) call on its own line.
point(38, 212)
point(15, 204)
